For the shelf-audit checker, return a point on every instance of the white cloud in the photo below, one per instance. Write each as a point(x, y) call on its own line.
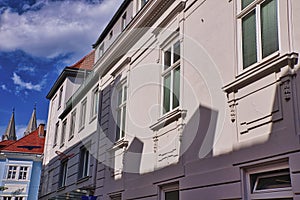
point(20, 129)
point(58, 28)
point(26, 69)
point(3, 87)
point(26, 85)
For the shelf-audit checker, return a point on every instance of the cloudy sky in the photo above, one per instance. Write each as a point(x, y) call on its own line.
point(38, 38)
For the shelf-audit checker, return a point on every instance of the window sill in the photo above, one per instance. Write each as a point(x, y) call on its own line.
point(168, 118)
point(80, 129)
point(93, 118)
point(260, 70)
point(61, 188)
point(83, 179)
point(71, 137)
point(119, 144)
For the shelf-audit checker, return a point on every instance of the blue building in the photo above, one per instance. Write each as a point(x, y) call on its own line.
point(21, 161)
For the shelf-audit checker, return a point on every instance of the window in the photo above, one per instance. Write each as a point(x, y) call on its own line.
point(259, 30)
point(63, 173)
point(63, 133)
point(95, 102)
point(84, 163)
point(82, 114)
point(60, 97)
point(101, 50)
point(273, 182)
point(121, 111)
point(72, 124)
point(170, 192)
point(23, 173)
point(123, 23)
point(116, 197)
point(18, 198)
point(111, 33)
point(171, 77)
point(56, 134)
point(12, 171)
point(17, 172)
point(7, 198)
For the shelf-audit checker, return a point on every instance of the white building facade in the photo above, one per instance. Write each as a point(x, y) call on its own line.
point(186, 100)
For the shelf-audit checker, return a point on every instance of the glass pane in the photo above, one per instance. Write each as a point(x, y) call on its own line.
point(269, 27)
point(176, 51)
point(167, 59)
point(118, 125)
point(123, 121)
point(279, 181)
point(176, 87)
point(166, 93)
point(249, 40)
point(245, 3)
point(120, 97)
point(125, 93)
point(173, 195)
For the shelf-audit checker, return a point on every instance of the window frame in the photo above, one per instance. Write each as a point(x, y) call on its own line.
point(56, 134)
point(277, 193)
point(121, 106)
point(243, 12)
point(168, 188)
point(170, 71)
point(82, 117)
point(72, 124)
point(84, 167)
point(63, 173)
point(95, 103)
point(63, 133)
point(18, 172)
point(60, 97)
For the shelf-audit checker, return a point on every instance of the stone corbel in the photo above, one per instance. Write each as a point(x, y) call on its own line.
point(232, 105)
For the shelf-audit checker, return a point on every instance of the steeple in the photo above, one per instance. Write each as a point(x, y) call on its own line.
point(32, 122)
point(10, 133)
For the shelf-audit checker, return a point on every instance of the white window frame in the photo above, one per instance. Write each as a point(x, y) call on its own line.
point(60, 97)
point(15, 171)
point(72, 124)
point(63, 173)
point(170, 70)
point(56, 134)
point(18, 171)
point(22, 172)
point(168, 188)
point(63, 133)
point(82, 117)
point(241, 13)
point(95, 103)
point(124, 21)
point(120, 109)
point(277, 193)
point(84, 162)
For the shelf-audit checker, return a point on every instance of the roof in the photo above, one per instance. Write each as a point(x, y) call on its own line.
point(5, 143)
point(31, 143)
point(87, 62)
point(78, 69)
point(112, 22)
point(10, 133)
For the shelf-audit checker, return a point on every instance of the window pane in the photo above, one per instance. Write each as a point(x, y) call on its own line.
point(176, 51)
point(123, 121)
point(249, 40)
point(269, 27)
point(173, 195)
point(120, 97)
point(86, 163)
point(166, 93)
point(279, 181)
point(118, 124)
point(167, 59)
point(125, 94)
point(176, 87)
point(245, 3)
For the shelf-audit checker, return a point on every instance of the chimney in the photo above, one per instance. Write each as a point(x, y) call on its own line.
point(41, 130)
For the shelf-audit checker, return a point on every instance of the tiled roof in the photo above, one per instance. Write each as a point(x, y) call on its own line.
point(87, 62)
point(31, 143)
point(6, 143)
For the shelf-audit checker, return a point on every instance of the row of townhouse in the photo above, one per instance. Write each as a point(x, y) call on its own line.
point(181, 99)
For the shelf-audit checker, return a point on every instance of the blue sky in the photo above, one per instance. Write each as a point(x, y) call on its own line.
point(38, 38)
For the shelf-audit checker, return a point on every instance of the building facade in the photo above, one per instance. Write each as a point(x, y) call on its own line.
point(186, 100)
point(21, 165)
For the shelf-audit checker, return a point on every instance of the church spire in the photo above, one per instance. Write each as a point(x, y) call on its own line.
point(32, 122)
point(10, 133)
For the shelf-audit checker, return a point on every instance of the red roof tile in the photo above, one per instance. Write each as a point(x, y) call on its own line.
point(87, 62)
point(31, 143)
point(5, 143)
